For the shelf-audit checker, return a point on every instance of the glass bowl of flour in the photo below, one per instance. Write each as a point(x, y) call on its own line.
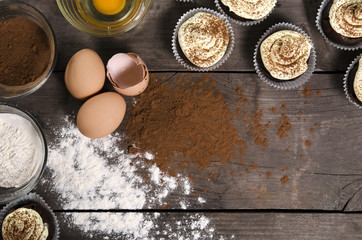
point(23, 153)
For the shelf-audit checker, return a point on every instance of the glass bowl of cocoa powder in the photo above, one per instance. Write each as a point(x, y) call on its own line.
point(27, 49)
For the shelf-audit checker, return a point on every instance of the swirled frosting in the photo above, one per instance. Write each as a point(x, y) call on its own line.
point(357, 83)
point(285, 54)
point(250, 9)
point(345, 17)
point(25, 224)
point(203, 39)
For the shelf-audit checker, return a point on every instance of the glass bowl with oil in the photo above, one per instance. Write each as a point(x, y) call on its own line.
point(104, 18)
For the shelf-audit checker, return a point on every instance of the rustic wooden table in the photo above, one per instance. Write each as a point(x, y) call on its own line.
point(321, 199)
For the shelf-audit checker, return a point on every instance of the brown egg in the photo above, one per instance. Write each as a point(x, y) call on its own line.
point(128, 73)
point(101, 115)
point(85, 74)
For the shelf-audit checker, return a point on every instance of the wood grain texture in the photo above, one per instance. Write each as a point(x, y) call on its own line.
point(251, 226)
point(327, 176)
point(151, 39)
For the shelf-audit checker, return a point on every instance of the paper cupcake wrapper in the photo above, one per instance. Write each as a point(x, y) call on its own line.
point(284, 84)
point(246, 22)
point(31, 198)
point(320, 29)
point(183, 61)
point(345, 84)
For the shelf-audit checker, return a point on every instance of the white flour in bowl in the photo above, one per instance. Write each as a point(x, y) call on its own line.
point(20, 150)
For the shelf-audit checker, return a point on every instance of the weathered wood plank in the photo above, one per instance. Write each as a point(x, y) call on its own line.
point(258, 226)
point(151, 39)
point(327, 176)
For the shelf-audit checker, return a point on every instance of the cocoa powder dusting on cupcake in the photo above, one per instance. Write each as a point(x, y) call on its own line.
point(203, 39)
point(285, 54)
point(253, 10)
point(24, 223)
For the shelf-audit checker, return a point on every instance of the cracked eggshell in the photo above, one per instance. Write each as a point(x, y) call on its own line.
point(85, 74)
point(128, 74)
point(101, 115)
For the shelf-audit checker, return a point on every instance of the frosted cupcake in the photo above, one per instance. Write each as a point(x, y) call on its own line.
point(246, 12)
point(24, 223)
point(353, 82)
point(203, 40)
point(28, 218)
point(284, 56)
point(340, 23)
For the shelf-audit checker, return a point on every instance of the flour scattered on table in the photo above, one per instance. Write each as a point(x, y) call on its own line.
point(139, 225)
point(97, 174)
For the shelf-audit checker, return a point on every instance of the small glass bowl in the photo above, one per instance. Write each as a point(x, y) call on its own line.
point(9, 194)
point(12, 9)
point(76, 12)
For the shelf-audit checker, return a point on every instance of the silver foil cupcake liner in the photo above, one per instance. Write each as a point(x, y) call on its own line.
point(284, 84)
point(240, 22)
point(183, 61)
point(349, 93)
point(320, 29)
point(29, 199)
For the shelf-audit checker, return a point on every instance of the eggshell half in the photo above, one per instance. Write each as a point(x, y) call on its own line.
point(128, 74)
point(85, 74)
point(101, 115)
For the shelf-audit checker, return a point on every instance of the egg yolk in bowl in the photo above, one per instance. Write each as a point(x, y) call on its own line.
point(109, 7)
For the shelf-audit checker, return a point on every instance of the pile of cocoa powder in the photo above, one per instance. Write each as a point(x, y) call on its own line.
point(184, 123)
point(188, 122)
point(24, 51)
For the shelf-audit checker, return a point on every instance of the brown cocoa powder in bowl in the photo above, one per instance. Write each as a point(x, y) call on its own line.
point(187, 122)
point(24, 51)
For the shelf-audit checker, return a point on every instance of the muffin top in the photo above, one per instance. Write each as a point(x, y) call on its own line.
point(285, 54)
point(24, 223)
point(345, 17)
point(357, 83)
point(250, 9)
point(203, 39)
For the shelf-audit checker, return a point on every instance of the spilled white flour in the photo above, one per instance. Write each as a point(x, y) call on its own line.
point(150, 226)
point(98, 175)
